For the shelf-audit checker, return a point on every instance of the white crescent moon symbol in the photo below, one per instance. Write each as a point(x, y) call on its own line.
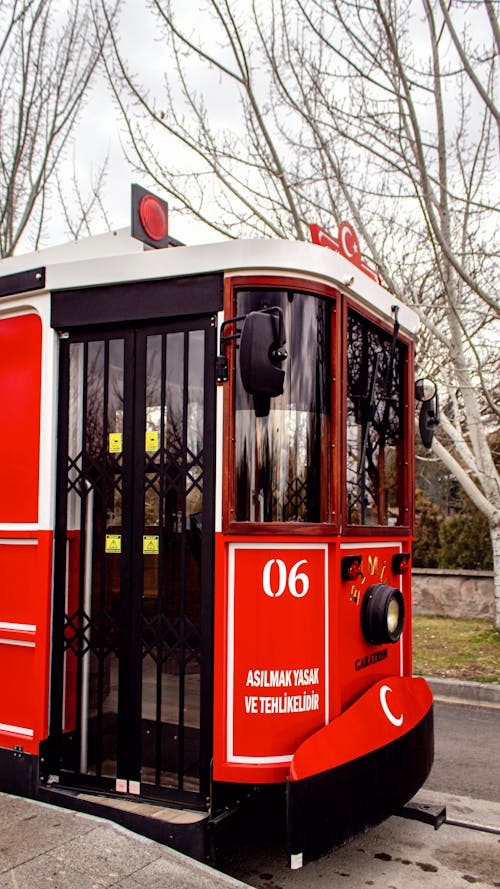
point(346, 232)
point(345, 248)
point(396, 720)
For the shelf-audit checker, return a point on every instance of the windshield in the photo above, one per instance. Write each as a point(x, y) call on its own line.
point(281, 460)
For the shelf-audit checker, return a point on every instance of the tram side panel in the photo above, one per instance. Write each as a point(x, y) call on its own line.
point(25, 555)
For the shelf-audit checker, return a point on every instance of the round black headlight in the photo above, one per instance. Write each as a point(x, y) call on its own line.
point(382, 614)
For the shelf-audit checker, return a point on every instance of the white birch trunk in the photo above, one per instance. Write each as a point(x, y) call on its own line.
point(495, 542)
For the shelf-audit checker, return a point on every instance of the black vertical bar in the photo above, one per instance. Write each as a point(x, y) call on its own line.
point(161, 564)
point(82, 541)
point(207, 558)
point(100, 640)
point(183, 576)
point(57, 662)
point(130, 701)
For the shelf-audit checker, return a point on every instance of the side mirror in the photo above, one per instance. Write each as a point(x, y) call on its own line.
point(426, 392)
point(261, 355)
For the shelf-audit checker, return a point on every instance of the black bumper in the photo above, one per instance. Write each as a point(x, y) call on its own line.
point(328, 809)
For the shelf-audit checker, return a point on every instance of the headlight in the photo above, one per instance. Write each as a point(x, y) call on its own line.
point(393, 616)
point(382, 614)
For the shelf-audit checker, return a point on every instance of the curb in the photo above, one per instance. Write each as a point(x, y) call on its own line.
point(459, 689)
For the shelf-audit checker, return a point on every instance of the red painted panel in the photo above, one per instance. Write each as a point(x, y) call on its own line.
point(25, 595)
point(20, 581)
point(275, 683)
point(278, 651)
point(361, 664)
point(389, 709)
point(20, 380)
point(17, 696)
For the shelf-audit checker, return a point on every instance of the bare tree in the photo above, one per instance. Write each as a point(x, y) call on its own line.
point(78, 205)
point(381, 111)
point(47, 62)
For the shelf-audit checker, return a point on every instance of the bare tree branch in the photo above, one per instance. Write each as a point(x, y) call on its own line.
point(44, 79)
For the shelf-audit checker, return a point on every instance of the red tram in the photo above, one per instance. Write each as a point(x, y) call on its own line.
point(206, 513)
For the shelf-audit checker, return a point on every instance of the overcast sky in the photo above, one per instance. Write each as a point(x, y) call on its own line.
point(100, 133)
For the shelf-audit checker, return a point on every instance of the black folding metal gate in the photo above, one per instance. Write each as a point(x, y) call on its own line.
point(132, 664)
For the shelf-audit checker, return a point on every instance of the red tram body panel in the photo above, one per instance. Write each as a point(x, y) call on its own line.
point(206, 518)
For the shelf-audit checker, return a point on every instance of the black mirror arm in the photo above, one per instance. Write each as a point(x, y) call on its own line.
point(221, 368)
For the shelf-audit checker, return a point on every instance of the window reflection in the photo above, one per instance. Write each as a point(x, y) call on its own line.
point(281, 459)
point(374, 425)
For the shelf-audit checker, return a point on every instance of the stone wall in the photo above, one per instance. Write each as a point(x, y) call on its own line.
point(453, 593)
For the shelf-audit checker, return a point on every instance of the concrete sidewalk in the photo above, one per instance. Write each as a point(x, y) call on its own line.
point(47, 846)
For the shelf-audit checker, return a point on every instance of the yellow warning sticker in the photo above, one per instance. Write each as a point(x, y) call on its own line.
point(152, 442)
point(113, 543)
point(115, 445)
point(151, 544)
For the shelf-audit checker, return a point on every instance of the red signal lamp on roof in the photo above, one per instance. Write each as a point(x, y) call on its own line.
point(149, 218)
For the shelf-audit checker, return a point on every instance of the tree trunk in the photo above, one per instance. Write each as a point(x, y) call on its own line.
point(495, 542)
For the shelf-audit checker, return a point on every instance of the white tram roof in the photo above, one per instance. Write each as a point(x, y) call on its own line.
point(116, 257)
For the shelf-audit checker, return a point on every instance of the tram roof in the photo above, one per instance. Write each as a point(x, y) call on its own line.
point(116, 257)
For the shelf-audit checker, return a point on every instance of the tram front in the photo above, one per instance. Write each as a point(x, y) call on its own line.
point(313, 589)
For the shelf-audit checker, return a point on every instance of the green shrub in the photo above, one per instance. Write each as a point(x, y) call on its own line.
point(428, 519)
point(464, 541)
point(461, 540)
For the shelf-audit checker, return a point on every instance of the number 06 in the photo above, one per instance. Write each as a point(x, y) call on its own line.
point(295, 577)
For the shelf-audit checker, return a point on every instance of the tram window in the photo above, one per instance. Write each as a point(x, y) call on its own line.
point(375, 425)
point(281, 459)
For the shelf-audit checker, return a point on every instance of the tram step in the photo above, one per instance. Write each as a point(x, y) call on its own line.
point(147, 809)
point(181, 829)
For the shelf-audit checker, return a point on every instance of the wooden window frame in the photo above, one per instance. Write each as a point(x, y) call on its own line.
point(308, 529)
point(408, 436)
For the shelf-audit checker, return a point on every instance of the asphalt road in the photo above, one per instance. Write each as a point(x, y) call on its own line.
point(404, 854)
point(467, 753)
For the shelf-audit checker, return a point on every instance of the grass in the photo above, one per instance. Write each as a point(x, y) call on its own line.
point(456, 648)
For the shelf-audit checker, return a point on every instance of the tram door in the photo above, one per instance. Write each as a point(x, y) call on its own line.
point(134, 571)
